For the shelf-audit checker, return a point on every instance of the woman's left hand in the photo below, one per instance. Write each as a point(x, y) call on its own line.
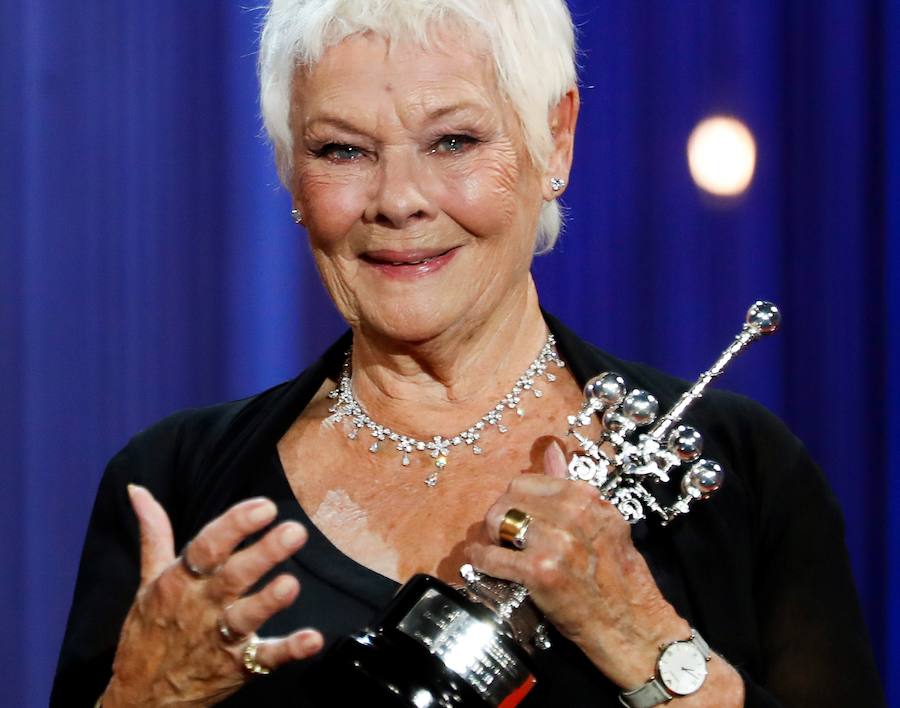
point(583, 572)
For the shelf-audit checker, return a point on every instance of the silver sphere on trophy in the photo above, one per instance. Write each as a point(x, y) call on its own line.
point(440, 646)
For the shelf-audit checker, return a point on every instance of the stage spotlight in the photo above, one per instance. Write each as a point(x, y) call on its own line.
point(721, 155)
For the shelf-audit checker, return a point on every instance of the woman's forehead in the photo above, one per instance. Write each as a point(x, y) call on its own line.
point(433, 80)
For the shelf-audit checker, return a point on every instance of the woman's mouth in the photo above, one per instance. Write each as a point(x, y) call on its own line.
point(406, 264)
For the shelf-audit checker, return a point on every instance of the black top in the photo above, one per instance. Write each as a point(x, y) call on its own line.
point(760, 569)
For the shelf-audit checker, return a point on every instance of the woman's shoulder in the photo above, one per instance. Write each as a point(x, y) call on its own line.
point(198, 429)
point(209, 432)
point(204, 456)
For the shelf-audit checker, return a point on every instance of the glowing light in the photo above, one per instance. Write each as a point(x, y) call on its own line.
point(721, 155)
point(469, 647)
point(422, 698)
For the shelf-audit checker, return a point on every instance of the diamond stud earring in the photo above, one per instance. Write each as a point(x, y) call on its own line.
point(296, 216)
point(557, 183)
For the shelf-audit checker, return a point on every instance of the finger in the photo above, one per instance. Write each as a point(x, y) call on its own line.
point(526, 493)
point(250, 613)
point(157, 544)
point(555, 461)
point(549, 557)
point(535, 506)
point(211, 547)
point(302, 644)
point(248, 565)
point(498, 562)
point(575, 506)
point(541, 485)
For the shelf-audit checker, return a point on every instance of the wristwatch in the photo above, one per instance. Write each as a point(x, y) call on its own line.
point(680, 671)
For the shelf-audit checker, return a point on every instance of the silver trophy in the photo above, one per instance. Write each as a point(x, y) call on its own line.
point(472, 645)
point(621, 467)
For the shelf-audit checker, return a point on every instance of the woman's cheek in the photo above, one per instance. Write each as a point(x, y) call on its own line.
point(337, 275)
point(482, 197)
point(331, 204)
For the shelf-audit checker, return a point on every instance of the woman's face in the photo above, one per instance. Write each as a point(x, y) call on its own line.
point(415, 186)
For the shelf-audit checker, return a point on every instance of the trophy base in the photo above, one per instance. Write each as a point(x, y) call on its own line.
point(432, 648)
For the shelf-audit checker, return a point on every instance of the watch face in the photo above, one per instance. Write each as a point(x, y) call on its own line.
point(682, 668)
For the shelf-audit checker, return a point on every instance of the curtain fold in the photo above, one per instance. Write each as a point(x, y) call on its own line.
point(148, 261)
point(891, 401)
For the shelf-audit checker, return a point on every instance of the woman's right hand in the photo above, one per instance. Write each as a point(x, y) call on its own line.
point(172, 650)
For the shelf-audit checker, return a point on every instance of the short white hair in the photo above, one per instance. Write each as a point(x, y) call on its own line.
point(532, 43)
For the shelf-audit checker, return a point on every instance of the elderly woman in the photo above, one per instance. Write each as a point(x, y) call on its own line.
point(425, 144)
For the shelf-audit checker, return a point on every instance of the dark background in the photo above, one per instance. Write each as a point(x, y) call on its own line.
point(148, 261)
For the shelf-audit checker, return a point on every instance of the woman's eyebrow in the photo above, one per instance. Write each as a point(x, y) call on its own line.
point(333, 122)
point(432, 115)
point(444, 111)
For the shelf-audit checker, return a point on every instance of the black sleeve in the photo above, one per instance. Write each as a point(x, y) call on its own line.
point(812, 634)
point(109, 572)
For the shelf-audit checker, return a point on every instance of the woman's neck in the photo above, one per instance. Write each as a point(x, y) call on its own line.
point(443, 385)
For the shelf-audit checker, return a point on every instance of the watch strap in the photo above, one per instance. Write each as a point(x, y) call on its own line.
point(701, 644)
point(649, 694)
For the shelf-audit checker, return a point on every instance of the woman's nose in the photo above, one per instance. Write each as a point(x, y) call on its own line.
point(403, 191)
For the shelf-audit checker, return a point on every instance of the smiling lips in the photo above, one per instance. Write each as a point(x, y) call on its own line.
point(408, 263)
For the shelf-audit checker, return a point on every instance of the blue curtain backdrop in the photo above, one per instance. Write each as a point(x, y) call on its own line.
point(148, 262)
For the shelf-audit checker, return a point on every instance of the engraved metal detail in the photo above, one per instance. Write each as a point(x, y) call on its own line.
point(477, 650)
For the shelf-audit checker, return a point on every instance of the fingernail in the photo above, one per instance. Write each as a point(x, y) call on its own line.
point(132, 490)
point(554, 453)
point(292, 535)
point(264, 512)
point(283, 588)
point(313, 640)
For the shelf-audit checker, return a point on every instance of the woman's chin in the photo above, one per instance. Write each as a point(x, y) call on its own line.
point(412, 325)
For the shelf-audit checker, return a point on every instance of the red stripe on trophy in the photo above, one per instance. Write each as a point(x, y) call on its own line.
point(517, 696)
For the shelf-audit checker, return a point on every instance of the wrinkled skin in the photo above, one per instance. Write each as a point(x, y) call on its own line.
point(170, 650)
point(583, 571)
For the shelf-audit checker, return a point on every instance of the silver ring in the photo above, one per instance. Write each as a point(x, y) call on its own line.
point(194, 571)
point(248, 657)
point(229, 635)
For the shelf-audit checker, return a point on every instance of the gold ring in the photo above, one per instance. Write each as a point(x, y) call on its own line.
point(248, 657)
point(514, 527)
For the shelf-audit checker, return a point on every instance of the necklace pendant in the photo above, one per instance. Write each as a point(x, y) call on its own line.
point(432, 479)
point(373, 447)
point(440, 462)
point(405, 460)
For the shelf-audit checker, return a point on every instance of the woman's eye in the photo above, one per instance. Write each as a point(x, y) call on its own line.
point(339, 152)
point(453, 144)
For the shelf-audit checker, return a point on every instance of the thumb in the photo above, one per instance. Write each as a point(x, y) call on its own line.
point(157, 543)
point(555, 461)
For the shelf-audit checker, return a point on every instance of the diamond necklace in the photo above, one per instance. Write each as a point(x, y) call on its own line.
point(438, 448)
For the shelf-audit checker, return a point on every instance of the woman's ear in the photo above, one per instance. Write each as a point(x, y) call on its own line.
point(563, 117)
